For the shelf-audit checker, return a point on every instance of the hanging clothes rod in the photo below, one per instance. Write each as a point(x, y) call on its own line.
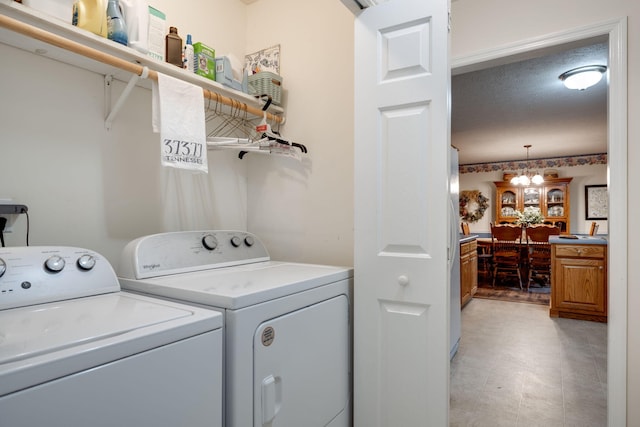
point(105, 58)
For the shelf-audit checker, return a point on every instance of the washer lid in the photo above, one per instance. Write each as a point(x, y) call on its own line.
point(47, 341)
point(240, 286)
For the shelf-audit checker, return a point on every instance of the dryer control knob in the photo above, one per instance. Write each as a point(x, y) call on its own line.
point(235, 241)
point(86, 262)
point(249, 241)
point(209, 242)
point(54, 264)
point(3, 267)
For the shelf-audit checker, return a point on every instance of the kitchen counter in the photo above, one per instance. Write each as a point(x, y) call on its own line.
point(469, 238)
point(581, 240)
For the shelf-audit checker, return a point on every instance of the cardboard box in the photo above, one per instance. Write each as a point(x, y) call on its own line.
point(205, 60)
point(157, 32)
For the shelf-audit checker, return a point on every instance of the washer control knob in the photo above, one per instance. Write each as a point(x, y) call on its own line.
point(235, 241)
point(54, 264)
point(209, 241)
point(86, 262)
point(249, 241)
point(3, 267)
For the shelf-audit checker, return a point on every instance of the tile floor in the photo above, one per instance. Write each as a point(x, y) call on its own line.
point(518, 367)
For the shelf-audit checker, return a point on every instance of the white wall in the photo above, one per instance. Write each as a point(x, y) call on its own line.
point(482, 25)
point(582, 175)
point(304, 212)
point(219, 24)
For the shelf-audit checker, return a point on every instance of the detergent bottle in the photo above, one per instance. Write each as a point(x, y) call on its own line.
point(91, 15)
point(116, 26)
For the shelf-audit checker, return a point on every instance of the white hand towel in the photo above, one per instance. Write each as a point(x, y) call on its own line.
point(178, 114)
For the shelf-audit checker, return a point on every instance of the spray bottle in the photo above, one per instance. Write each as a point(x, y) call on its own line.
point(188, 56)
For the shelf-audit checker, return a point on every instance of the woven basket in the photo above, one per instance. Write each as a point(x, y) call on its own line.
point(266, 83)
point(508, 175)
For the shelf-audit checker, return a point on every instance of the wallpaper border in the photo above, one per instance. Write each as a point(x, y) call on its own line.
point(516, 165)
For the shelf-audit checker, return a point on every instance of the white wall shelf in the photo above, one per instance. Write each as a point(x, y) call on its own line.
point(52, 38)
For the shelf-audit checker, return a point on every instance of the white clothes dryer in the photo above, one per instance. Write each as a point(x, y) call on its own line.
point(77, 351)
point(287, 325)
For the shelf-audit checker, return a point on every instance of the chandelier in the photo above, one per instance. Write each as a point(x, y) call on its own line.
point(526, 178)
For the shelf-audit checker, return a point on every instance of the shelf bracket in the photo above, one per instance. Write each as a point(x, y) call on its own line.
point(108, 81)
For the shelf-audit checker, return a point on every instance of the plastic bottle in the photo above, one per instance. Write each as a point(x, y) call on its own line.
point(189, 56)
point(173, 47)
point(91, 15)
point(116, 27)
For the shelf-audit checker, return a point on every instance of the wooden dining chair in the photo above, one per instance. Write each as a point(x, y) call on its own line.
point(465, 228)
point(506, 244)
point(485, 263)
point(593, 230)
point(539, 252)
point(562, 225)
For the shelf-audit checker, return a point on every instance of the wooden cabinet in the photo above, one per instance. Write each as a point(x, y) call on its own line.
point(468, 270)
point(579, 281)
point(551, 197)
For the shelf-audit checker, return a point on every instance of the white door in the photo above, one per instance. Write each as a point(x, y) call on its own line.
point(401, 215)
point(301, 367)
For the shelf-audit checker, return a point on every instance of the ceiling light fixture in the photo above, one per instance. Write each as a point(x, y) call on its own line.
point(525, 178)
point(582, 78)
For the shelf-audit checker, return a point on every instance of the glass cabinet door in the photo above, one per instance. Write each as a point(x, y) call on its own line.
point(555, 203)
point(508, 204)
point(532, 198)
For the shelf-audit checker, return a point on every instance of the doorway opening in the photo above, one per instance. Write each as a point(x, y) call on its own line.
point(614, 34)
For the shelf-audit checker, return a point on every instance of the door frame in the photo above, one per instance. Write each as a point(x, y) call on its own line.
point(616, 30)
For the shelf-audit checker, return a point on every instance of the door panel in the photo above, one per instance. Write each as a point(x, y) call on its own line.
point(402, 230)
point(401, 215)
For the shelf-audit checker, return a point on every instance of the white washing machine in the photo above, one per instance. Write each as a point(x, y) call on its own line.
point(76, 351)
point(287, 325)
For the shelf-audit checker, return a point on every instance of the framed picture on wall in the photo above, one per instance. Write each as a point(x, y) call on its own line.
point(596, 201)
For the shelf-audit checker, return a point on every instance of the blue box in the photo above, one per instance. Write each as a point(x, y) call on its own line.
point(224, 75)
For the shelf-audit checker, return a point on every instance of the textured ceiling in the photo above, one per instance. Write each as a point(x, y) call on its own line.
point(495, 111)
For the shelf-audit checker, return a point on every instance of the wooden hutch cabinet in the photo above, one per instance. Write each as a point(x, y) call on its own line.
point(551, 197)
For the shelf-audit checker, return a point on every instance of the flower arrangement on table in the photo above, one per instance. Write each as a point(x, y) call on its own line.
point(472, 205)
point(529, 215)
